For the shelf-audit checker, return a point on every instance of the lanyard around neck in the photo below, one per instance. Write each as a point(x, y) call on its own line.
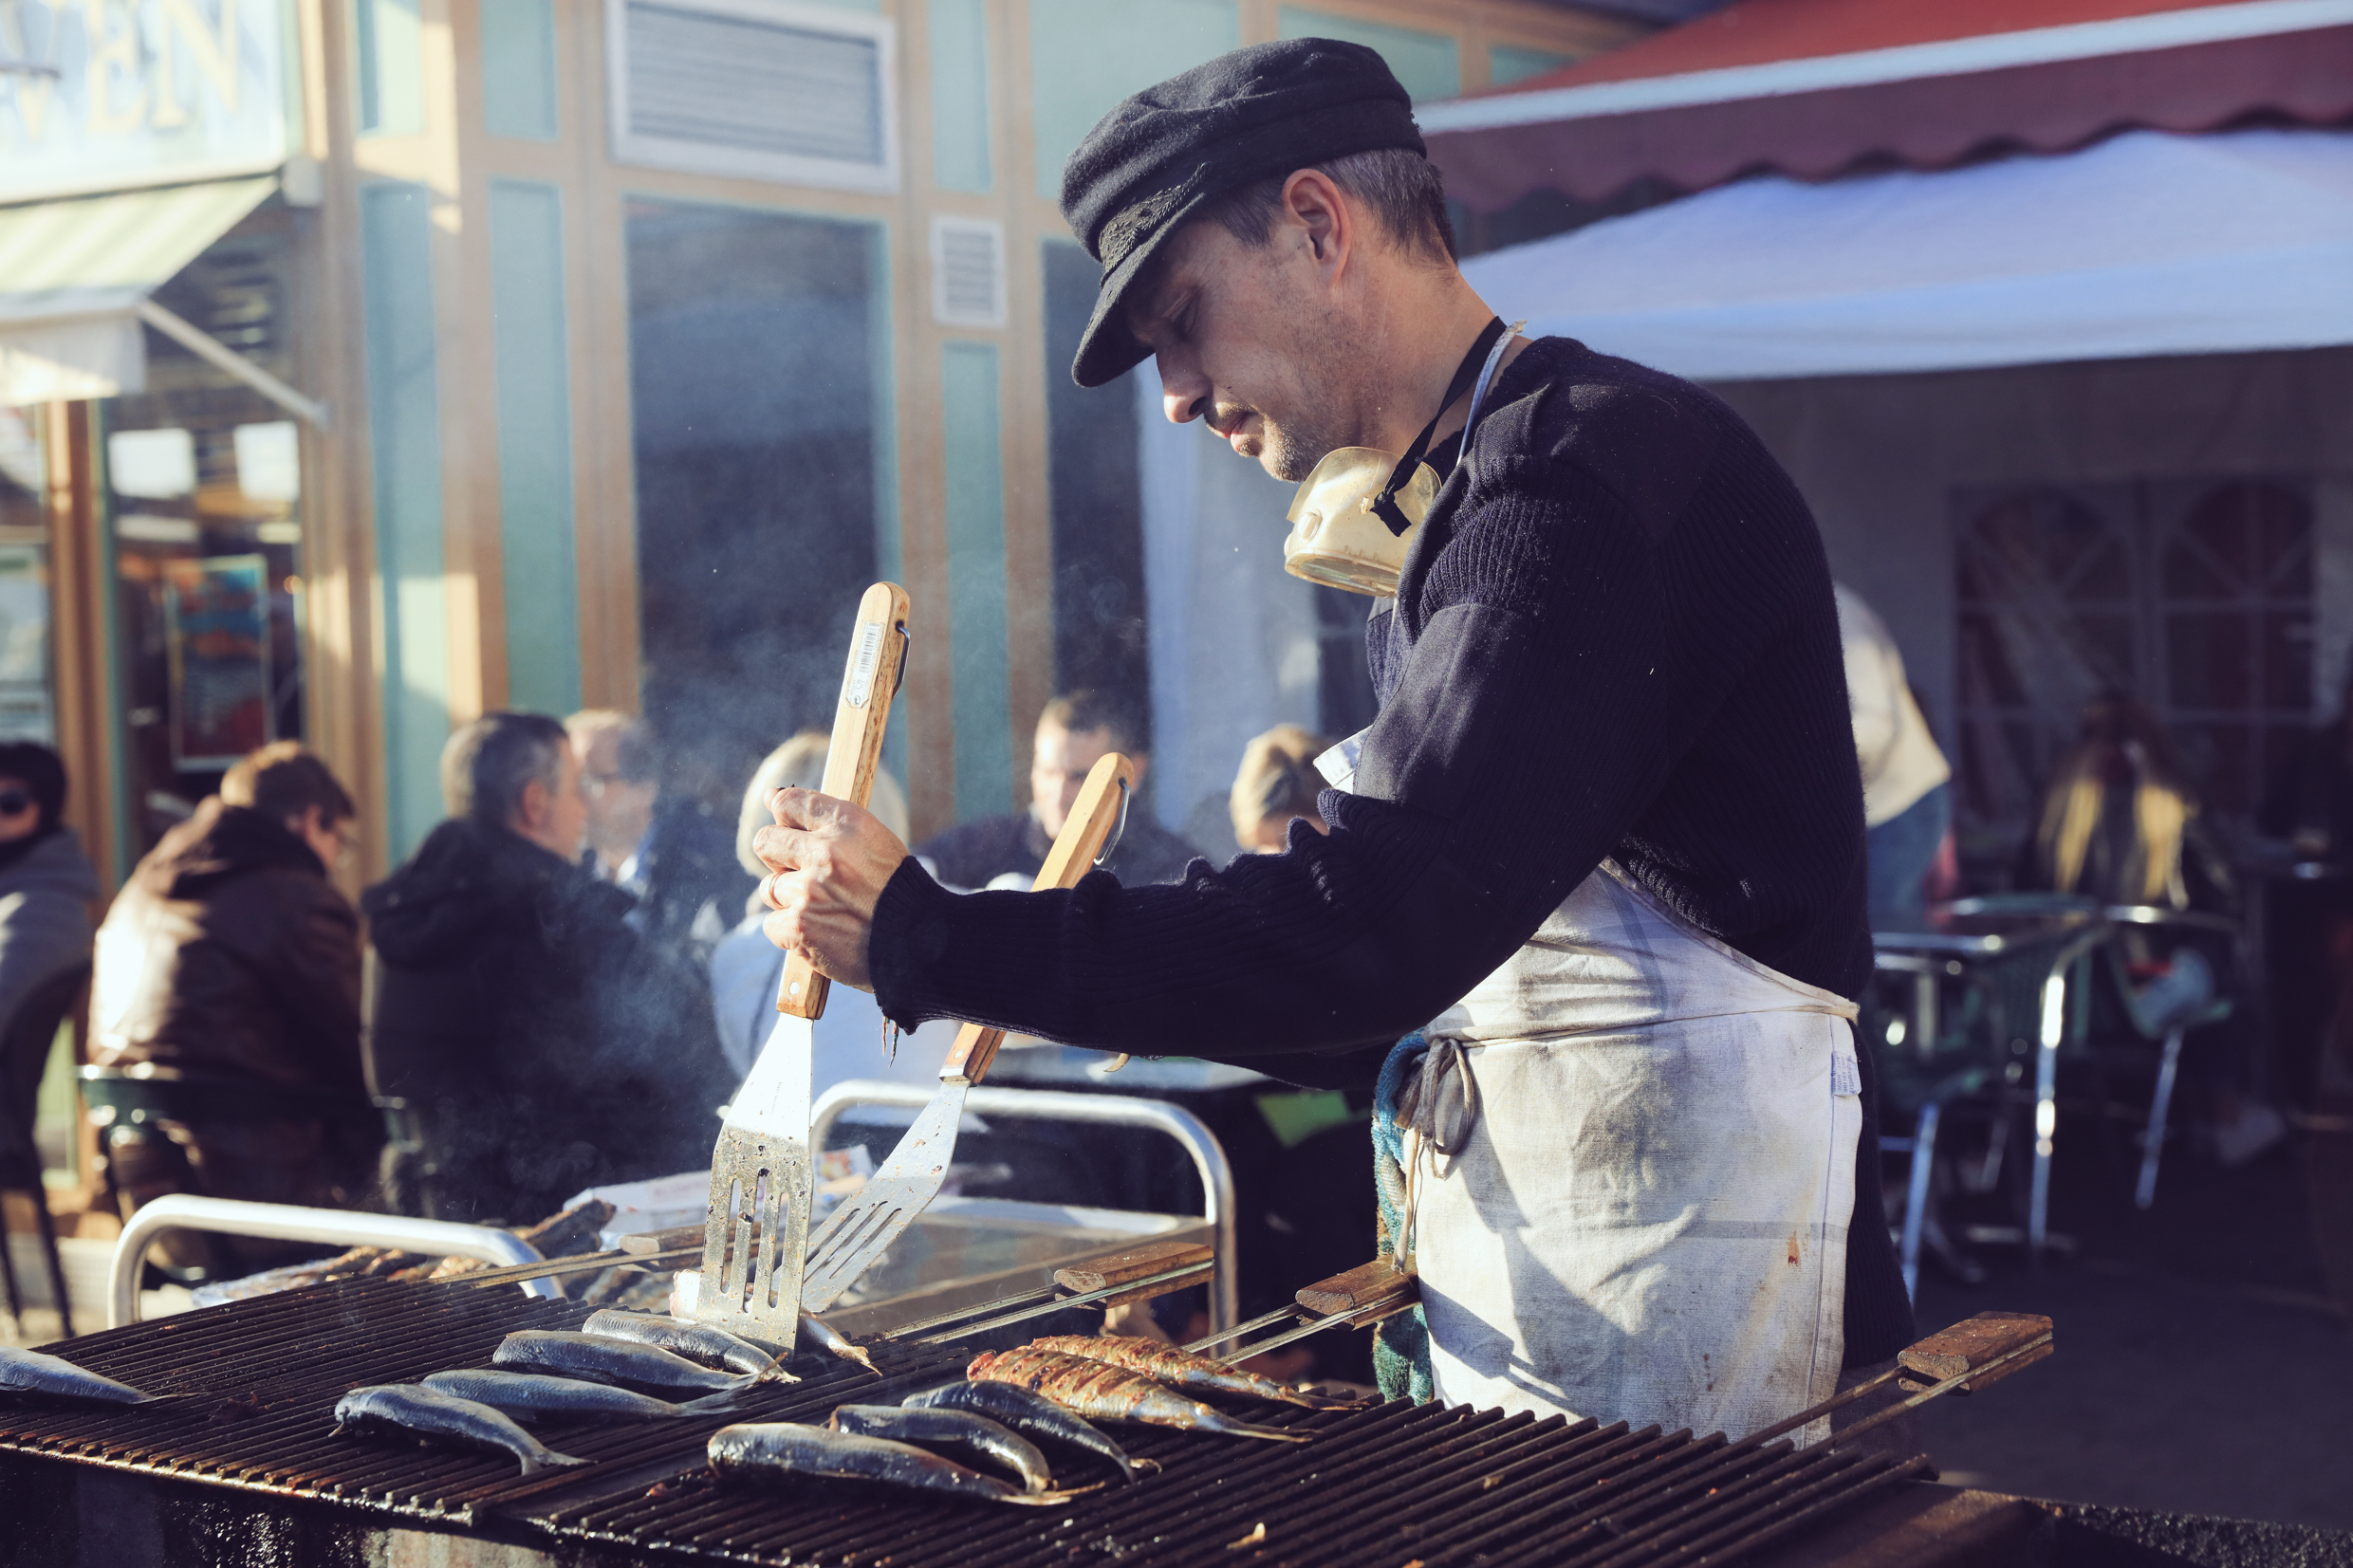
point(1384, 505)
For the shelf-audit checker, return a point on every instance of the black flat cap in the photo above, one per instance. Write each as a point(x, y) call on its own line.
point(1251, 115)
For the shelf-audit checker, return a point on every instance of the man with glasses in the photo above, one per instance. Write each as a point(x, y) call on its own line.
point(231, 963)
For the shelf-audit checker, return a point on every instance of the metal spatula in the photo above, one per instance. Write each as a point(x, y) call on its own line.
point(856, 1234)
point(756, 1233)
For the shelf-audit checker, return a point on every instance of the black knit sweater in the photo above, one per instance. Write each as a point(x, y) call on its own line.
point(1614, 636)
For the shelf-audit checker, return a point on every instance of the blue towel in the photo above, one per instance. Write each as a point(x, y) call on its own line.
point(1401, 1344)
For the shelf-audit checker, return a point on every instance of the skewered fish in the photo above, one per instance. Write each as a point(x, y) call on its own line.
point(834, 1343)
point(410, 1409)
point(1167, 1364)
point(53, 1377)
point(534, 1395)
point(1108, 1392)
point(712, 1347)
point(601, 1359)
point(775, 1450)
point(935, 1427)
point(1031, 1414)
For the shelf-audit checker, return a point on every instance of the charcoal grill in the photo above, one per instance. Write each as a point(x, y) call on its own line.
point(255, 1383)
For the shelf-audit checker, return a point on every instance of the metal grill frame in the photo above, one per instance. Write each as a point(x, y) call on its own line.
point(1393, 1484)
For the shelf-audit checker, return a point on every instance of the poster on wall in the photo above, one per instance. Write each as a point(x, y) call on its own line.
point(26, 714)
point(216, 633)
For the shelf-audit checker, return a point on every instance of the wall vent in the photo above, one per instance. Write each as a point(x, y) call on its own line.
point(761, 89)
point(968, 272)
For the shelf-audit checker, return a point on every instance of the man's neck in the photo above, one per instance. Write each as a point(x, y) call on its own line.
point(1432, 319)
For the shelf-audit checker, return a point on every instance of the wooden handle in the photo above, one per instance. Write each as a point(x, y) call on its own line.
point(1142, 1263)
point(1101, 806)
point(1379, 1287)
point(1973, 1341)
point(644, 1243)
point(863, 712)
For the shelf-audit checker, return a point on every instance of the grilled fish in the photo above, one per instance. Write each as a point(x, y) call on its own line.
point(534, 1395)
point(1031, 1414)
point(1167, 1364)
point(837, 1344)
point(712, 1347)
point(411, 1409)
point(1108, 1392)
point(937, 1428)
point(601, 1359)
point(774, 1450)
point(52, 1378)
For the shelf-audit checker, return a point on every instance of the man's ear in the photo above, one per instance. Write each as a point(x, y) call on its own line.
point(1312, 201)
point(532, 806)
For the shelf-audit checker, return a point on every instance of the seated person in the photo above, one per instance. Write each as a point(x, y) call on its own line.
point(1907, 798)
point(230, 957)
point(1276, 785)
point(47, 886)
point(543, 1045)
point(747, 967)
point(616, 777)
point(2120, 826)
point(1073, 733)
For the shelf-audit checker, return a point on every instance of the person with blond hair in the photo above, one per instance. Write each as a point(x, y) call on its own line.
point(1277, 785)
point(230, 959)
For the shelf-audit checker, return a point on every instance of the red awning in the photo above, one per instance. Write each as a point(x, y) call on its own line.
point(1817, 87)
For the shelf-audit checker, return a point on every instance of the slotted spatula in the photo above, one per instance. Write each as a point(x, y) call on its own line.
point(756, 1234)
point(856, 1234)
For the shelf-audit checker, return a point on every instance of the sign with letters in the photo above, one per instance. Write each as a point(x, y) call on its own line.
point(99, 95)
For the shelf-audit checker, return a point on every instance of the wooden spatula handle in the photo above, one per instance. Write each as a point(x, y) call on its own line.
point(1973, 1341)
point(1102, 803)
point(863, 712)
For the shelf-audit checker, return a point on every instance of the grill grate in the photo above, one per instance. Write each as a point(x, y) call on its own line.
point(1392, 1484)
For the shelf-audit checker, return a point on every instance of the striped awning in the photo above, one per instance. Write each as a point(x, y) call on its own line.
point(75, 273)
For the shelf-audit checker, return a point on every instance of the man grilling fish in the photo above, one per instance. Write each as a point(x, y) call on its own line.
point(1602, 847)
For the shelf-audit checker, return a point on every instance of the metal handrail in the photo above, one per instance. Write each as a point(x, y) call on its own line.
point(285, 1221)
point(1209, 1156)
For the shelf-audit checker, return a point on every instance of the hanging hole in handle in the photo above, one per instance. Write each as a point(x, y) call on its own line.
point(1126, 798)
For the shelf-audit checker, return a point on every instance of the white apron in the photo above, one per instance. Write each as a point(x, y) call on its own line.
point(1646, 1217)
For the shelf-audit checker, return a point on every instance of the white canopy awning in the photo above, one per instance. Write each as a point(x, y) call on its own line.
point(75, 277)
point(2144, 244)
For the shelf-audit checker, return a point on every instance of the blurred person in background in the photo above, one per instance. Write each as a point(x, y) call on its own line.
point(1907, 797)
point(747, 968)
point(1276, 785)
point(231, 959)
point(616, 777)
point(1073, 734)
point(47, 886)
point(2310, 931)
point(2119, 824)
point(543, 1044)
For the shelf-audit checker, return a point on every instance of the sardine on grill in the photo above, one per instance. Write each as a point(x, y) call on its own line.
point(1167, 1364)
point(938, 1428)
point(833, 1343)
point(601, 1359)
point(411, 1409)
point(1032, 1416)
point(1104, 1393)
point(712, 1347)
point(536, 1396)
point(779, 1449)
point(29, 1372)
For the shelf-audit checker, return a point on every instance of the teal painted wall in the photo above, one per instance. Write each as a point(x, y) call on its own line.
point(519, 68)
point(534, 446)
point(975, 466)
point(1507, 64)
point(960, 95)
point(404, 440)
point(1427, 62)
point(388, 57)
point(1086, 55)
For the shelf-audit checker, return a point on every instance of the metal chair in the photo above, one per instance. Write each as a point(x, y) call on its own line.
point(2194, 929)
point(24, 1054)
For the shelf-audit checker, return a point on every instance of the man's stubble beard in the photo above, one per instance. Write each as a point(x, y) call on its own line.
point(1324, 420)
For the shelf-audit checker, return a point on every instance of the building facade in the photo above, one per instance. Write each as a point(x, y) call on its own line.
point(367, 364)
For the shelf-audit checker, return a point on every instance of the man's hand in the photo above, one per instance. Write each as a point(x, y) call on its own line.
point(829, 861)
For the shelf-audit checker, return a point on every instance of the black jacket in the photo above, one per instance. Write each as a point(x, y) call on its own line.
point(546, 1045)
